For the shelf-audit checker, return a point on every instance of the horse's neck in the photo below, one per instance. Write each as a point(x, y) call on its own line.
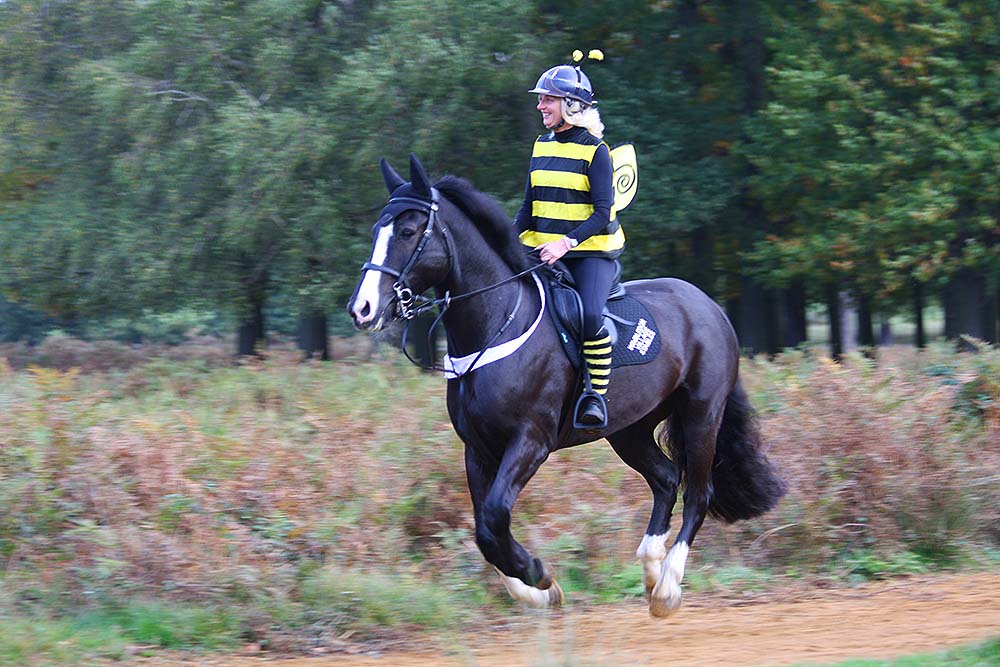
point(472, 323)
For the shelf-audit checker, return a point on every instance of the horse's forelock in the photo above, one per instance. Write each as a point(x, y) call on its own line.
point(489, 217)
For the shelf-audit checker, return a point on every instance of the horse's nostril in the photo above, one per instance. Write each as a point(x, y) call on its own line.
point(365, 310)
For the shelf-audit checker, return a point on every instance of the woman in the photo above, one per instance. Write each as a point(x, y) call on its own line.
point(568, 214)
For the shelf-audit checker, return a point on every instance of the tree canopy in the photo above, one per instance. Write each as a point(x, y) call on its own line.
point(172, 154)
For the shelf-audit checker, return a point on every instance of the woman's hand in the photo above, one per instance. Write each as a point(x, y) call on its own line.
point(553, 250)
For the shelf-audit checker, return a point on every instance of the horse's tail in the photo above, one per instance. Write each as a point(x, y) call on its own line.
point(745, 484)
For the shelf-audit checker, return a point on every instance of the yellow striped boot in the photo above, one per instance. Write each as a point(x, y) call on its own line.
point(591, 410)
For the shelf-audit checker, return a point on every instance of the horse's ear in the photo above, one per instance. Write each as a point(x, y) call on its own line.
point(418, 177)
point(392, 179)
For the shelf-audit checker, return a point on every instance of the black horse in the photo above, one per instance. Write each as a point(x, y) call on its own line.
point(512, 388)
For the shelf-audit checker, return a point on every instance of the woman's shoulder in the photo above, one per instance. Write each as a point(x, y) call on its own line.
point(585, 137)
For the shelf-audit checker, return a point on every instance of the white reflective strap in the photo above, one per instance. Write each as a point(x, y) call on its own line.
point(456, 367)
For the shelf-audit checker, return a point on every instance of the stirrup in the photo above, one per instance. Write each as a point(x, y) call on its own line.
point(587, 427)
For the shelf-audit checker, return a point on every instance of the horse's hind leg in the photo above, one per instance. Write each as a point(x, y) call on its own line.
point(693, 430)
point(637, 447)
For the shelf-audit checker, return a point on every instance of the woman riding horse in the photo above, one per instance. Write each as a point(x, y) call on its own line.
point(511, 386)
point(568, 214)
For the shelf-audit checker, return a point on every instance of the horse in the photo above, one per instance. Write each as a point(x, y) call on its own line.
point(511, 388)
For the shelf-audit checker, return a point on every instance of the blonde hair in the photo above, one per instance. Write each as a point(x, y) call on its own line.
point(579, 114)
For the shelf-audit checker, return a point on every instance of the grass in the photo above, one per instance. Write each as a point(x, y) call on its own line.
point(313, 501)
point(986, 654)
point(112, 632)
point(37, 642)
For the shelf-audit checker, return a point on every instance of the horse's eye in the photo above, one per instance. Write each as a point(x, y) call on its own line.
point(406, 233)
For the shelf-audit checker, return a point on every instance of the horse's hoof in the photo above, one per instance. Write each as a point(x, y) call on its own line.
point(661, 606)
point(555, 595)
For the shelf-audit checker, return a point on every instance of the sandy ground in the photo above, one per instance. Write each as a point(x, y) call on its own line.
point(900, 617)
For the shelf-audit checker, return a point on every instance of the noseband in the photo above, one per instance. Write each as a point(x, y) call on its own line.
point(405, 296)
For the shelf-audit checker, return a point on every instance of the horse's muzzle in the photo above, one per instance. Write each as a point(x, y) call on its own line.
point(366, 319)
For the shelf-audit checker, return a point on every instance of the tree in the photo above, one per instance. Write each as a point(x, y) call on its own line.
point(872, 149)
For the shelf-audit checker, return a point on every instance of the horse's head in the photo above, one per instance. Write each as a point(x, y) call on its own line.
point(409, 253)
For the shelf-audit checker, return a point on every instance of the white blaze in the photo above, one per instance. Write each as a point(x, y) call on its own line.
point(368, 292)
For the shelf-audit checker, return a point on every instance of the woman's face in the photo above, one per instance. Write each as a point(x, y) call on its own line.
point(551, 108)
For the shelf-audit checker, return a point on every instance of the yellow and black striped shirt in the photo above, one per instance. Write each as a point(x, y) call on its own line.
point(560, 196)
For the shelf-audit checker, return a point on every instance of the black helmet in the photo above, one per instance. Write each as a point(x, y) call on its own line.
point(565, 81)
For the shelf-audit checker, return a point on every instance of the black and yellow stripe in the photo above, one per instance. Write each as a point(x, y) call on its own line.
point(560, 192)
point(597, 354)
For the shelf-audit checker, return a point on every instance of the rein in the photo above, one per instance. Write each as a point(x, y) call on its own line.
point(407, 306)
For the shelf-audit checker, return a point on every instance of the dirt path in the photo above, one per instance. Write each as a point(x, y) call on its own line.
point(901, 617)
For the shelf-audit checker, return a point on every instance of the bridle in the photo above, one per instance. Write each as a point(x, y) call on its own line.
point(405, 296)
point(410, 304)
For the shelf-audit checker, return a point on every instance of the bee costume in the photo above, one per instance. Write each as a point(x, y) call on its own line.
point(573, 192)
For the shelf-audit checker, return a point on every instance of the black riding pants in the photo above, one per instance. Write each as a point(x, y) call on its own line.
point(593, 277)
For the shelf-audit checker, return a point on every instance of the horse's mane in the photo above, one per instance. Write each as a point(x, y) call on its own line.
point(490, 219)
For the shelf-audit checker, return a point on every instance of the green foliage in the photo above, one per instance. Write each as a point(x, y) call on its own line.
point(727, 578)
point(40, 641)
point(107, 632)
point(986, 654)
point(870, 154)
point(170, 625)
point(867, 565)
point(199, 155)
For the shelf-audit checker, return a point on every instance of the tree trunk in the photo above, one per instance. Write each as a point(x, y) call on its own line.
point(758, 316)
point(885, 336)
point(920, 335)
point(991, 324)
point(250, 332)
point(866, 328)
point(794, 325)
point(751, 41)
point(833, 315)
point(965, 296)
point(312, 337)
point(703, 271)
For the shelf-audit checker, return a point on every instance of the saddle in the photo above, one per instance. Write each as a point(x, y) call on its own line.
point(635, 338)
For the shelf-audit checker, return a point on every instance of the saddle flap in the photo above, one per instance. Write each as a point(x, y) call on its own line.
point(635, 336)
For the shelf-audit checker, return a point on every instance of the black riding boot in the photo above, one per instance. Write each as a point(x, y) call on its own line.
point(591, 409)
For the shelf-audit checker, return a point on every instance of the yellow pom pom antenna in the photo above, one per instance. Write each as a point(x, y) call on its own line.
point(577, 56)
point(596, 54)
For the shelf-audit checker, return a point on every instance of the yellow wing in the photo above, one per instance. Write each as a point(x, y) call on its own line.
point(626, 167)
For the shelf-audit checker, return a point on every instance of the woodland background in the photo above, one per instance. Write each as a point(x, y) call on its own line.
point(205, 172)
point(170, 166)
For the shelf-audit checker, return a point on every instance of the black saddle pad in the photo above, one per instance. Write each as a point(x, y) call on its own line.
point(634, 334)
point(638, 336)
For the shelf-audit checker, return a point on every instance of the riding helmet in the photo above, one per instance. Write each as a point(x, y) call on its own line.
point(565, 81)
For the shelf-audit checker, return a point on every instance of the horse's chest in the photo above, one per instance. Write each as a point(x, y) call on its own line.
point(483, 410)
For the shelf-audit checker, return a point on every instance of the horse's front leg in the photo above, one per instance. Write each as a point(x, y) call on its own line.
point(494, 491)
